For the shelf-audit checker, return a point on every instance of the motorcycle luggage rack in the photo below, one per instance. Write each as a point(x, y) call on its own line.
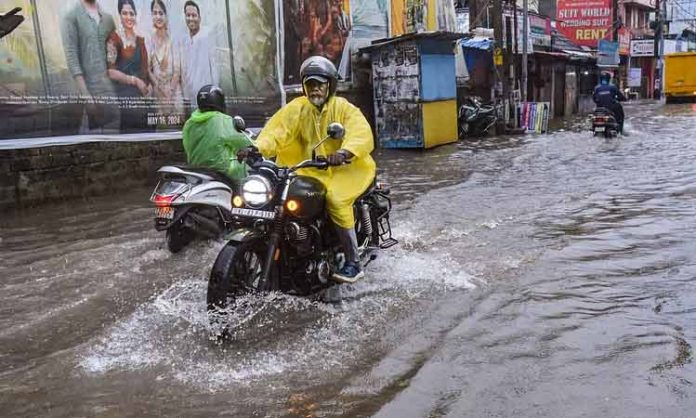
point(385, 234)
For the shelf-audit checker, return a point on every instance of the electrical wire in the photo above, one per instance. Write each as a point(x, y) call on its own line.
point(690, 13)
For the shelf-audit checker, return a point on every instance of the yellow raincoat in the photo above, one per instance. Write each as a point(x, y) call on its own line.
point(295, 129)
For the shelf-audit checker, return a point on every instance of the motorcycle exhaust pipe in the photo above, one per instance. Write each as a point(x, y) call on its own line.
point(205, 226)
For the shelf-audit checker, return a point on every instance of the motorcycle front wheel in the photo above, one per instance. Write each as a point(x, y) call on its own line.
point(237, 271)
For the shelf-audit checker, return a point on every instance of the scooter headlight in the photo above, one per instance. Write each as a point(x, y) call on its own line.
point(256, 191)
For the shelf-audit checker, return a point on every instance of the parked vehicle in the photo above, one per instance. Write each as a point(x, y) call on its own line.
point(194, 202)
point(285, 240)
point(604, 123)
point(680, 77)
point(476, 118)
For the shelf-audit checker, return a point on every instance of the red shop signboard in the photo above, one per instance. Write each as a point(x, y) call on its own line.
point(585, 22)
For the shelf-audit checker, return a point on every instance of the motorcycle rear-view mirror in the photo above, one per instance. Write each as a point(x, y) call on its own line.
point(9, 21)
point(336, 131)
point(239, 124)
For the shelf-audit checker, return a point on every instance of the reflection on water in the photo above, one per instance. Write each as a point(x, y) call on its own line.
point(539, 275)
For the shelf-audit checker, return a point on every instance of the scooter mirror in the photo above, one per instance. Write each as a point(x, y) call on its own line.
point(336, 131)
point(239, 124)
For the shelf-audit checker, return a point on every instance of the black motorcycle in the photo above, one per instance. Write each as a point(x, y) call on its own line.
point(286, 241)
point(476, 118)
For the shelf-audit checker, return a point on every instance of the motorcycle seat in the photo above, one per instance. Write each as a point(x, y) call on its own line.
point(603, 111)
point(370, 189)
point(212, 173)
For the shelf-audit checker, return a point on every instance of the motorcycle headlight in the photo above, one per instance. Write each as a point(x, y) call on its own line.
point(256, 191)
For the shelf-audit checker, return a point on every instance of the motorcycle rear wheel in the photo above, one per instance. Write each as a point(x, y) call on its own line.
point(237, 271)
point(178, 236)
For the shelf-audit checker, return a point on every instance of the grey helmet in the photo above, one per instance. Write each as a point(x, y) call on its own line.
point(319, 68)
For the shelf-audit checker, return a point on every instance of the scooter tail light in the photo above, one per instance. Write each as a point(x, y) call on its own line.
point(162, 201)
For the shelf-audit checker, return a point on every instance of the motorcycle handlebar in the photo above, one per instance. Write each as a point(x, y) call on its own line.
point(318, 163)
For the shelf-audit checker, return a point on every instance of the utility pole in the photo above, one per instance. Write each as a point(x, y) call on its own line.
point(501, 79)
point(498, 33)
point(615, 24)
point(663, 23)
point(658, 47)
point(474, 12)
point(525, 30)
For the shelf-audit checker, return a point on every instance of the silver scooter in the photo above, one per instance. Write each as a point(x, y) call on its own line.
point(193, 202)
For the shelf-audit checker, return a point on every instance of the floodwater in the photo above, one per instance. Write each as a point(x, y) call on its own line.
point(537, 276)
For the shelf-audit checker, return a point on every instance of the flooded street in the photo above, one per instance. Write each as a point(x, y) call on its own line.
point(537, 276)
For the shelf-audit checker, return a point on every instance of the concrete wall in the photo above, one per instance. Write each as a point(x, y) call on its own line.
point(37, 175)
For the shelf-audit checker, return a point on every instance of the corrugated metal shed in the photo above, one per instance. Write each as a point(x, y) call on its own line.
point(415, 91)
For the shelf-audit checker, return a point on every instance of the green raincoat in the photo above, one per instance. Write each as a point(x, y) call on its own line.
point(210, 140)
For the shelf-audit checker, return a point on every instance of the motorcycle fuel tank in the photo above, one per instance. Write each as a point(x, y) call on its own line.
point(310, 194)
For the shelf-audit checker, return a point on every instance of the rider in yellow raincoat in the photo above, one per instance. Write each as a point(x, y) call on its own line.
point(295, 129)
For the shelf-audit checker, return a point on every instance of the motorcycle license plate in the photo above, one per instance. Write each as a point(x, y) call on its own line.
point(253, 213)
point(164, 213)
point(599, 129)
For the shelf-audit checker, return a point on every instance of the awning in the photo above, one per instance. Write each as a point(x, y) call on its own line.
point(477, 43)
point(551, 54)
point(436, 35)
point(578, 53)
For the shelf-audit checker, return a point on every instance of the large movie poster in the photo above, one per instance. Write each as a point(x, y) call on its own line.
point(316, 27)
point(116, 66)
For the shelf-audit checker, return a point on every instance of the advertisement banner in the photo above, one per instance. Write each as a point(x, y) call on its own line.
point(608, 54)
point(642, 48)
point(635, 76)
point(540, 30)
point(624, 41)
point(137, 67)
point(370, 22)
point(411, 16)
point(517, 45)
point(585, 22)
point(370, 19)
point(316, 27)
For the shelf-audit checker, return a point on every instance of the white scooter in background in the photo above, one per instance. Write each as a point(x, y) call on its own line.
point(194, 202)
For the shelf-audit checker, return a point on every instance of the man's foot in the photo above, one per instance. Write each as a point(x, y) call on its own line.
point(350, 273)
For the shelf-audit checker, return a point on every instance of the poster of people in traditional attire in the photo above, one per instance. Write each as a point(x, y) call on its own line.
point(316, 27)
point(118, 66)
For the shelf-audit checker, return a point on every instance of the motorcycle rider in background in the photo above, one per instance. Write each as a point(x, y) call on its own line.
point(609, 96)
point(294, 130)
point(210, 138)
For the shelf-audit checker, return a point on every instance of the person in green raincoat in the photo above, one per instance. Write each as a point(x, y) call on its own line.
point(210, 138)
point(294, 130)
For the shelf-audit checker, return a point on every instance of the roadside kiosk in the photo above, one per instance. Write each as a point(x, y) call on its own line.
point(415, 90)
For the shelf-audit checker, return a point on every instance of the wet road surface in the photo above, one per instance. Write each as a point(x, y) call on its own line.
point(537, 276)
